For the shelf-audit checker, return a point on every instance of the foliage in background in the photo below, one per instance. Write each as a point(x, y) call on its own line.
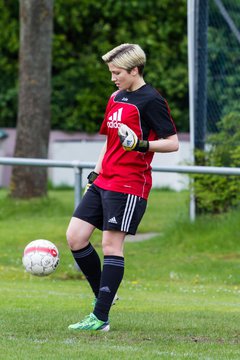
point(223, 63)
point(83, 32)
point(218, 193)
point(9, 45)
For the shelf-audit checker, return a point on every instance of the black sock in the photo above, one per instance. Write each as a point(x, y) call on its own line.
point(89, 263)
point(112, 274)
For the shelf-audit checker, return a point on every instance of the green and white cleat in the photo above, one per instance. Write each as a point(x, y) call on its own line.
point(90, 322)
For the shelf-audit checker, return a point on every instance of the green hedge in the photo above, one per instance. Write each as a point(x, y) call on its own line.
point(218, 193)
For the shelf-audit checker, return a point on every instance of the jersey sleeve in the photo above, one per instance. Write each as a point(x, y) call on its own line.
point(158, 117)
point(103, 128)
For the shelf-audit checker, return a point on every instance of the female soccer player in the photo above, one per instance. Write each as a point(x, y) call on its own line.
point(137, 124)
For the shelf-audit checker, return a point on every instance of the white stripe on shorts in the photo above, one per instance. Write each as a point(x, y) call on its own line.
point(128, 212)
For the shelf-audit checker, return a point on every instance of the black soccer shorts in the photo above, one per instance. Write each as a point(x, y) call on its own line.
point(111, 210)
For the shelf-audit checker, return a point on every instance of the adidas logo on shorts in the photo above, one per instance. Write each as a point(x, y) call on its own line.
point(112, 220)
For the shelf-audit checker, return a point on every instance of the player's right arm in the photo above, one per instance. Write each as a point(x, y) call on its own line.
point(98, 166)
point(94, 174)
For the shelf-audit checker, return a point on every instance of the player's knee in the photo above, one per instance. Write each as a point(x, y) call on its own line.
point(75, 242)
point(107, 250)
point(111, 249)
point(71, 238)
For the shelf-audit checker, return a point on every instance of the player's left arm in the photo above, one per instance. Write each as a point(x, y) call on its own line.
point(168, 144)
point(159, 119)
point(130, 142)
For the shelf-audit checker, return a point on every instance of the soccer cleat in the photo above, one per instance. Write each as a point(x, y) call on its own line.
point(90, 322)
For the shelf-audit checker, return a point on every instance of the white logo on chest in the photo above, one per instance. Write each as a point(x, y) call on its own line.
point(115, 119)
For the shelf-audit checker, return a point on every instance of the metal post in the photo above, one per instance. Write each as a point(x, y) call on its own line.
point(200, 64)
point(191, 82)
point(78, 185)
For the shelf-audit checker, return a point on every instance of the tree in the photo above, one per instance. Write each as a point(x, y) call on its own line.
point(33, 126)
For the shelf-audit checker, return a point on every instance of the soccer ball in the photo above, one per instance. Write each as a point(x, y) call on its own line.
point(40, 257)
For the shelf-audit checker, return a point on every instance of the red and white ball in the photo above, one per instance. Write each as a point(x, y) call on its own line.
point(40, 257)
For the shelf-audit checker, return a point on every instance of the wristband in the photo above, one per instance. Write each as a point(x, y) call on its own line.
point(142, 146)
point(92, 176)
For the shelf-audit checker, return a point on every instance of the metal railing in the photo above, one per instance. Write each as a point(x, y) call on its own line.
point(78, 167)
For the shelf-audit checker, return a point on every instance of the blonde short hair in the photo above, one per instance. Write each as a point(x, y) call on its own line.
point(126, 56)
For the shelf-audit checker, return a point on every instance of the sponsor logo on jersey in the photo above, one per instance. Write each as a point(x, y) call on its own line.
point(124, 99)
point(115, 119)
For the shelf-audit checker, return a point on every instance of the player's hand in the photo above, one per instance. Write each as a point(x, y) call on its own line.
point(127, 137)
point(91, 177)
point(86, 188)
point(130, 141)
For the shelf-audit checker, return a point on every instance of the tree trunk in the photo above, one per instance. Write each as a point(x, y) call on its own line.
point(33, 127)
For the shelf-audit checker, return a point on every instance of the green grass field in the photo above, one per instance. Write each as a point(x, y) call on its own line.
point(180, 297)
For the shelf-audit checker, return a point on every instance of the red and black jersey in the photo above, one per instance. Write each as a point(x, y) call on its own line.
point(147, 113)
